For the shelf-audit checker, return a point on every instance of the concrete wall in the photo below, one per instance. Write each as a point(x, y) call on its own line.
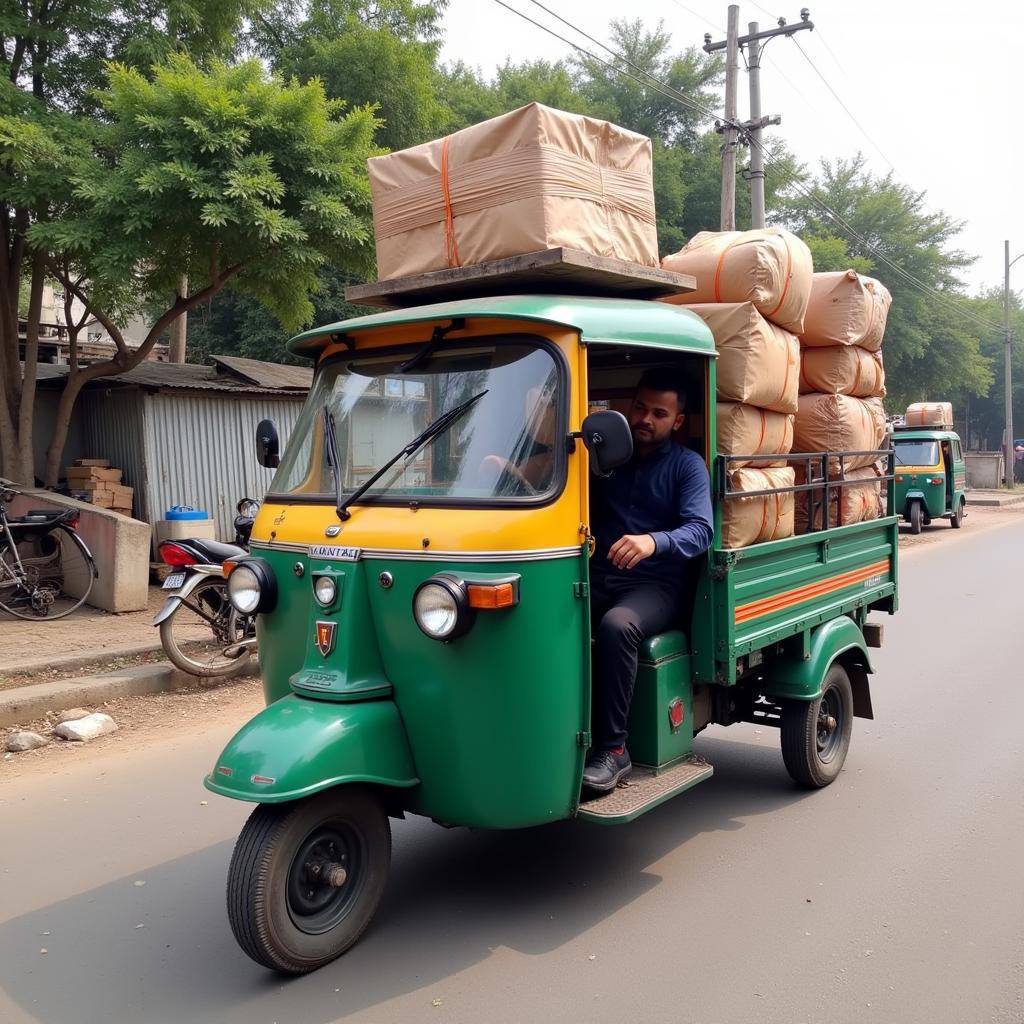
point(984, 469)
point(119, 544)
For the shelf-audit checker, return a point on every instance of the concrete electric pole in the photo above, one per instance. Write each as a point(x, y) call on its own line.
point(1008, 453)
point(751, 129)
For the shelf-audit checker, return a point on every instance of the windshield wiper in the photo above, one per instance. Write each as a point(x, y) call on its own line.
point(332, 454)
point(445, 420)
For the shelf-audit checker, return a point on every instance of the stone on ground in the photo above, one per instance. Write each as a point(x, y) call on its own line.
point(24, 740)
point(87, 728)
point(72, 714)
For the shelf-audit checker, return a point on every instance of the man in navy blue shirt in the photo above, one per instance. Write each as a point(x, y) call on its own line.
point(651, 518)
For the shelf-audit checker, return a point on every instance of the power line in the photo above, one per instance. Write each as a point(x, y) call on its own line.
point(698, 16)
point(831, 53)
point(849, 114)
point(943, 298)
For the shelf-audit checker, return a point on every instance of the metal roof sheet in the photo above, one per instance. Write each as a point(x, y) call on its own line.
point(599, 320)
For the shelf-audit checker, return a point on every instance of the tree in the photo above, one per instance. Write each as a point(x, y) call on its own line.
point(226, 176)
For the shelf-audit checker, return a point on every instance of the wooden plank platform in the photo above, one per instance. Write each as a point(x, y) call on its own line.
point(643, 790)
point(550, 271)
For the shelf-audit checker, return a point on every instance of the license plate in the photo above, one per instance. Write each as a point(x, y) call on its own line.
point(174, 580)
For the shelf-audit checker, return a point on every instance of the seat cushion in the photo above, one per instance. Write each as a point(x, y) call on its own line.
point(664, 645)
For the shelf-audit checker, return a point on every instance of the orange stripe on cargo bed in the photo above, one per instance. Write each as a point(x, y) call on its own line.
point(778, 602)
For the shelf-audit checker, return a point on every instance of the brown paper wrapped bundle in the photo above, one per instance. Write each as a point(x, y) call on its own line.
point(748, 521)
point(838, 423)
point(930, 414)
point(857, 503)
point(532, 179)
point(758, 362)
point(747, 430)
point(842, 370)
point(846, 308)
point(771, 268)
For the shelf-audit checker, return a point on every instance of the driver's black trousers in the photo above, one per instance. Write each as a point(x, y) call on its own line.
point(624, 613)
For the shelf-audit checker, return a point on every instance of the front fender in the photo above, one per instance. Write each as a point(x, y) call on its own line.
point(297, 746)
point(800, 679)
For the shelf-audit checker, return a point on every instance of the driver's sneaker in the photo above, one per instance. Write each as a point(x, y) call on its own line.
point(605, 769)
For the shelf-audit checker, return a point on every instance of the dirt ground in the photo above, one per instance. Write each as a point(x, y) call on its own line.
point(153, 718)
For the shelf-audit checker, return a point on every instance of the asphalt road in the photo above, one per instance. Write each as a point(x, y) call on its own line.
point(895, 895)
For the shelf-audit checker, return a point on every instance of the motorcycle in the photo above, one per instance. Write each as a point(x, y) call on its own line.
point(200, 630)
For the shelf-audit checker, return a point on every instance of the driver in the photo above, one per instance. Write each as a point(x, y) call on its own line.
point(535, 465)
point(651, 518)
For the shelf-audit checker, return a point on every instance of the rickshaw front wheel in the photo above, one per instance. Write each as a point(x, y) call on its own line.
point(816, 733)
point(957, 519)
point(305, 878)
point(915, 517)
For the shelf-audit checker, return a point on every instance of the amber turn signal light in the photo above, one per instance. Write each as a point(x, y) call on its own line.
point(501, 595)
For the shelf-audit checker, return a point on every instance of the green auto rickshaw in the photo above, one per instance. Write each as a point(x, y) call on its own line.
point(419, 576)
point(931, 476)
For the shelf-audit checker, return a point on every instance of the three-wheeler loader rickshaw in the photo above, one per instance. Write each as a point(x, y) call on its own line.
point(419, 573)
point(931, 476)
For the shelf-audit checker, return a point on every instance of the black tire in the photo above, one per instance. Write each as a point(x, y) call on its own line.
point(61, 573)
point(281, 918)
point(201, 628)
point(915, 517)
point(957, 519)
point(816, 734)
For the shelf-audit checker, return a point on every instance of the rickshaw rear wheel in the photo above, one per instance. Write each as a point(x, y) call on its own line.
point(957, 519)
point(305, 879)
point(816, 734)
point(915, 517)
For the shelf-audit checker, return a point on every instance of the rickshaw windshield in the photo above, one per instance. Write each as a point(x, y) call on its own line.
point(916, 453)
point(500, 449)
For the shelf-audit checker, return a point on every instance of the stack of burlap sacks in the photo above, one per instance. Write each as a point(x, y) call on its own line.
point(842, 382)
point(753, 288)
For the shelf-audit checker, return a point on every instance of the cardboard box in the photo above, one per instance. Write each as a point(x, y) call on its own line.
point(533, 179)
point(75, 473)
point(98, 463)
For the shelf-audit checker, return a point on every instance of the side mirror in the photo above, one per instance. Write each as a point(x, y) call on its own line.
point(609, 440)
point(267, 444)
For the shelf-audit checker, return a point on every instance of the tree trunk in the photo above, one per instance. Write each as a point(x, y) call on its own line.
point(26, 455)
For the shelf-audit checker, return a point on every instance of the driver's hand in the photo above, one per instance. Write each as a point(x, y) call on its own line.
point(630, 549)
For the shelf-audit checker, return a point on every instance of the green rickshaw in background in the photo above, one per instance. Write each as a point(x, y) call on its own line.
point(931, 476)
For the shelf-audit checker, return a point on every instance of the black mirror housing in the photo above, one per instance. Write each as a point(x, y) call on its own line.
point(267, 444)
point(609, 440)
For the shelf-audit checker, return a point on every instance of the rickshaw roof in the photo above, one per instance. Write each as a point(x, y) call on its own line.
point(924, 434)
point(599, 320)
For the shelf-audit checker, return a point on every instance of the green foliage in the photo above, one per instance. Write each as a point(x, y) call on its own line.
point(831, 253)
point(202, 172)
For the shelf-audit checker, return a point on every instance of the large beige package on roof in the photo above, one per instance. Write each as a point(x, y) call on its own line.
point(771, 268)
point(747, 430)
point(766, 517)
point(859, 501)
point(758, 362)
point(839, 423)
point(535, 178)
point(846, 308)
point(929, 414)
point(842, 370)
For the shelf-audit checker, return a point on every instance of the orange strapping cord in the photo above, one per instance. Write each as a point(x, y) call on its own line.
point(764, 428)
point(451, 243)
point(789, 277)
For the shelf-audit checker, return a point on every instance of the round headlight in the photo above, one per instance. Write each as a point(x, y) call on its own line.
point(244, 589)
point(436, 610)
point(325, 590)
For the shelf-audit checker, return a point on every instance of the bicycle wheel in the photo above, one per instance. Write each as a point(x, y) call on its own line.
point(58, 576)
point(200, 629)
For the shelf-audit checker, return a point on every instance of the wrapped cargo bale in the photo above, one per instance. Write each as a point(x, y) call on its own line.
point(758, 362)
point(747, 430)
point(855, 503)
point(930, 414)
point(535, 178)
point(771, 268)
point(846, 308)
point(842, 370)
point(839, 423)
point(760, 518)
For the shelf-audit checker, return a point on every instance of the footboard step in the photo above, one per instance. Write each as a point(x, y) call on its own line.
point(644, 790)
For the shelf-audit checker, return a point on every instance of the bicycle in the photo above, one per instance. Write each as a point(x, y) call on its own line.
point(46, 569)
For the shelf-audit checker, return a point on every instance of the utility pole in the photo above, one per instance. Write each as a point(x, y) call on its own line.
point(727, 218)
point(1008, 453)
point(752, 129)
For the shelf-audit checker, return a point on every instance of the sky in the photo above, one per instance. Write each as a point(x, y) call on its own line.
point(930, 86)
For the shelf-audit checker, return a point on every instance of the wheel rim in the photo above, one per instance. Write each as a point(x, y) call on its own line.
point(314, 905)
point(205, 625)
point(830, 723)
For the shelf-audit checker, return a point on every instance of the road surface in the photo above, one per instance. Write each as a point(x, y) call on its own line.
point(895, 895)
